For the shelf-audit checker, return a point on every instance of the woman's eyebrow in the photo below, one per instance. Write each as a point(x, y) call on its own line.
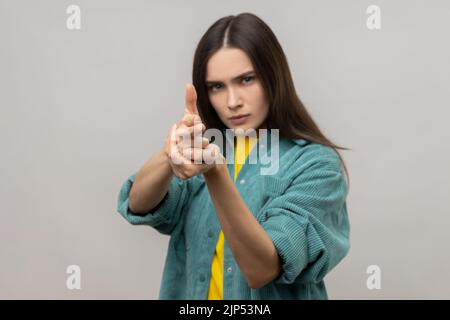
point(242, 75)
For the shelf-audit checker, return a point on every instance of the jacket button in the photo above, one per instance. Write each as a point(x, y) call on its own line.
point(229, 269)
point(202, 277)
point(242, 181)
point(210, 233)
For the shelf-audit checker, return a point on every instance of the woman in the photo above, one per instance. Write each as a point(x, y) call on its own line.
point(237, 232)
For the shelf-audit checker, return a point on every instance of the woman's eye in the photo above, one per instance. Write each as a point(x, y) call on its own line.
point(218, 86)
point(247, 79)
point(215, 87)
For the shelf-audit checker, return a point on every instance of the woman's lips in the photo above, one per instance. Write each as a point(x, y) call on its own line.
point(240, 120)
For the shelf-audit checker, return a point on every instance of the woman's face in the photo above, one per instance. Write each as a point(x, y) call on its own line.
point(234, 90)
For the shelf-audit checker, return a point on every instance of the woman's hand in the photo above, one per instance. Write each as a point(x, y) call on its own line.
point(188, 152)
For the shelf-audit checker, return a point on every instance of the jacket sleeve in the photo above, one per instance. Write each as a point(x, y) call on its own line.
point(308, 222)
point(166, 215)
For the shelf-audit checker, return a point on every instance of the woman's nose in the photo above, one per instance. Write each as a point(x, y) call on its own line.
point(233, 99)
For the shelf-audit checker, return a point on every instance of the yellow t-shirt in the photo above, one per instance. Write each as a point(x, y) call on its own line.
point(242, 150)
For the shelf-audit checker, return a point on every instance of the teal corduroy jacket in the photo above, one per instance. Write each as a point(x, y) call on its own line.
point(302, 207)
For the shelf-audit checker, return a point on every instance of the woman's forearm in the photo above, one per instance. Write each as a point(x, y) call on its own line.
point(251, 246)
point(151, 184)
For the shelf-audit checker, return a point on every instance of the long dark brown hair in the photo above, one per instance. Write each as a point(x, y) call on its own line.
point(249, 33)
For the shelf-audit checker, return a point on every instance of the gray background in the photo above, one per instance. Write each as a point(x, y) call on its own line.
point(82, 110)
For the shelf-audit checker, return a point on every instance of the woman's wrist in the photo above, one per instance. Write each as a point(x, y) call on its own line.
point(216, 170)
point(165, 161)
